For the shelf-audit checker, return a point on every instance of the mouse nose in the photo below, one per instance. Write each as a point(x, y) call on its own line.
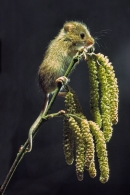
point(90, 41)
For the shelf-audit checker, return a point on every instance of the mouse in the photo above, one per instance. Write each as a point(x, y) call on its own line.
point(74, 36)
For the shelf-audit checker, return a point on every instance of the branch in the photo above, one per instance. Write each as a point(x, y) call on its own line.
point(36, 125)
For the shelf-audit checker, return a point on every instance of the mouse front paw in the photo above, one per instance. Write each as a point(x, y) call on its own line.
point(63, 80)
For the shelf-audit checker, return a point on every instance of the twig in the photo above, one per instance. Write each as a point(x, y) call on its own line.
point(39, 121)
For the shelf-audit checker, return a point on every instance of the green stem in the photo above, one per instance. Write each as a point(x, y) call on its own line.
point(38, 122)
point(69, 70)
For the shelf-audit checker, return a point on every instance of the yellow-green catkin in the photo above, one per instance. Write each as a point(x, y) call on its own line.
point(112, 85)
point(89, 148)
point(105, 103)
point(101, 151)
point(68, 142)
point(70, 105)
point(68, 139)
point(80, 148)
point(94, 91)
point(92, 171)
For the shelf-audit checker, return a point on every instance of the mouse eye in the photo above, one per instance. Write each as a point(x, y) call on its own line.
point(82, 35)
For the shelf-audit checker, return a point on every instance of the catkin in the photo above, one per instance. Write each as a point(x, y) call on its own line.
point(69, 103)
point(94, 91)
point(105, 103)
point(68, 142)
point(101, 151)
point(80, 148)
point(112, 86)
point(89, 147)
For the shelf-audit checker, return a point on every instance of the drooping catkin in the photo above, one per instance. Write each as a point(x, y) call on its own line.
point(101, 151)
point(89, 148)
point(105, 103)
point(68, 142)
point(72, 100)
point(112, 86)
point(68, 139)
point(80, 148)
point(70, 105)
point(94, 91)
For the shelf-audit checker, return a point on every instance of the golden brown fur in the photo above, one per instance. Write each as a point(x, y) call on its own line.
point(60, 52)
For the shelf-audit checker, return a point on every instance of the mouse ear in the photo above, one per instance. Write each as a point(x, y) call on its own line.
point(68, 26)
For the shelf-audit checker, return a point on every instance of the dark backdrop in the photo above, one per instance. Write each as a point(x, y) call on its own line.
point(27, 26)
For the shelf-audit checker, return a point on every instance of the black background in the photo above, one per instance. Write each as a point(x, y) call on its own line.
point(27, 26)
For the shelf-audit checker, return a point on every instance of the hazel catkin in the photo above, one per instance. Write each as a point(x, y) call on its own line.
point(94, 91)
point(68, 142)
point(101, 151)
point(80, 148)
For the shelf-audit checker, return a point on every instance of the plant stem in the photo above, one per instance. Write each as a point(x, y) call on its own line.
point(38, 122)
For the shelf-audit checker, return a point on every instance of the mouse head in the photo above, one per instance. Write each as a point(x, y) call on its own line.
point(79, 35)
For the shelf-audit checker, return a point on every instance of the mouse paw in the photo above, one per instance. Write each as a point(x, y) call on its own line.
point(63, 80)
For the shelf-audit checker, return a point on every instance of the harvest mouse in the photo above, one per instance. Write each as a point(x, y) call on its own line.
point(73, 37)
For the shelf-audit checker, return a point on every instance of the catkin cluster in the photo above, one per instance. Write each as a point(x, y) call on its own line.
point(103, 93)
point(79, 136)
point(83, 138)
